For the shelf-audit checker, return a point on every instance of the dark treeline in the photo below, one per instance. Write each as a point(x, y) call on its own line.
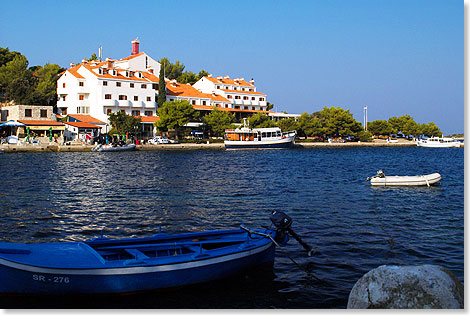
point(36, 85)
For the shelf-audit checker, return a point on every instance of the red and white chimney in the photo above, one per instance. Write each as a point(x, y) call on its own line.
point(135, 46)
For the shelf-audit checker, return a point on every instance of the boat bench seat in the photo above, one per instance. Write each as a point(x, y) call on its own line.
point(136, 253)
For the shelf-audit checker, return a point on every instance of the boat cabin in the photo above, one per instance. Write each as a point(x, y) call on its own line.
point(257, 134)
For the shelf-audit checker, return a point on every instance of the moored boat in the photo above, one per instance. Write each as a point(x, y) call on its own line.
point(258, 138)
point(436, 142)
point(108, 266)
point(114, 147)
point(418, 180)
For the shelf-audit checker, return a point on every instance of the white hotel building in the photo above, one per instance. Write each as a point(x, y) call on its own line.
point(98, 88)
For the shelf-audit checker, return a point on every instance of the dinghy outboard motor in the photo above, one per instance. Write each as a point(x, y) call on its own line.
point(283, 224)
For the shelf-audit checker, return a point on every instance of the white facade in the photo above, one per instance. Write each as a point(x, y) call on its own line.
point(99, 88)
point(240, 94)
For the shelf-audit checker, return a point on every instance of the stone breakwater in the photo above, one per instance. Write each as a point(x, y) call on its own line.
point(12, 148)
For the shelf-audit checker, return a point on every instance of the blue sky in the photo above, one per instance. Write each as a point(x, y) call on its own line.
point(397, 57)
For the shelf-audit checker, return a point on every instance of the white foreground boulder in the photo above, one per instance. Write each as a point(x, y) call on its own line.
point(412, 287)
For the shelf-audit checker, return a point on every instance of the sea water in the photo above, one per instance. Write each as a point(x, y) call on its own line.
point(353, 227)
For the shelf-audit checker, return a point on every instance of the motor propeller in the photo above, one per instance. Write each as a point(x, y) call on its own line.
point(283, 224)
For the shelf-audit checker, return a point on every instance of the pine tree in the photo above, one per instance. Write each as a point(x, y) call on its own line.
point(161, 87)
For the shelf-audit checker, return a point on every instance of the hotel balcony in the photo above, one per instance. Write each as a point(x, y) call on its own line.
point(110, 103)
point(125, 103)
point(150, 104)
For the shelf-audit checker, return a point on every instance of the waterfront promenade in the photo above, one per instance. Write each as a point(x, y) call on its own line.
point(11, 148)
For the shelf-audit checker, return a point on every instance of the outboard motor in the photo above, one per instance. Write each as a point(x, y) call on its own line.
point(283, 224)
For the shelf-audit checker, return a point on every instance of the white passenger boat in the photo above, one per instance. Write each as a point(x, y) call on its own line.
point(113, 147)
point(418, 180)
point(258, 138)
point(436, 142)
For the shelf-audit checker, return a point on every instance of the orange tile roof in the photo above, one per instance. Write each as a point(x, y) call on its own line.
point(228, 81)
point(202, 107)
point(41, 122)
point(86, 118)
point(81, 124)
point(150, 119)
point(217, 98)
point(183, 90)
point(132, 56)
point(243, 92)
point(74, 72)
point(118, 75)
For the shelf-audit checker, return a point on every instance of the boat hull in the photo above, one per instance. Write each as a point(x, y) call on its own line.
point(127, 147)
point(285, 143)
point(418, 180)
point(438, 144)
point(20, 278)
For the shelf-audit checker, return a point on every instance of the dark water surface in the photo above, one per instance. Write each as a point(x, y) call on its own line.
point(72, 196)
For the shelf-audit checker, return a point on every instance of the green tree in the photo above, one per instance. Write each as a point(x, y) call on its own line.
point(6, 55)
point(309, 125)
point(269, 106)
point(123, 123)
point(188, 77)
point(217, 121)
point(174, 115)
point(46, 88)
point(172, 70)
point(379, 128)
point(288, 124)
point(398, 123)
point(16, 81)
point(93, 57)
point(161, 98)
point(260, 120)
point(430, 130)
point(337, 122)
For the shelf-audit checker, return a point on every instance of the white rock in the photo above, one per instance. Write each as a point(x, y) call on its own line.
point(417, 287)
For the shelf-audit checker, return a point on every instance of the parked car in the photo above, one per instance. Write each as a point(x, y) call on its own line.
point(159, 140)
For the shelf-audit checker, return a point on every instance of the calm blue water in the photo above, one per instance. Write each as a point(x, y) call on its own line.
point(353, 227)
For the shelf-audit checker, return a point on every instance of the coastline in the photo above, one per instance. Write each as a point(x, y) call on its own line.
point(12, 148)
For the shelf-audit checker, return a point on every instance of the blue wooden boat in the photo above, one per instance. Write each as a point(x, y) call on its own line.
point(104, 265)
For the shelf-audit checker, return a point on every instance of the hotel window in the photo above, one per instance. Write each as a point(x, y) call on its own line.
point(252, 98)
point(123, 111)
point(81, 97)
point(148, 113)
point(193, 102)
point(28, 112)
point(144, 86)
point(122, 97)
point(44, 113)
point(118, 83)
point(105, 83)
point(132, 85)
point(237, 97)
point(261, 99)
point(149, 98)
point(109, 111)
point(218, 86)
point(136, 98)
point(245, 98)
point(203, 102)
point(81, 83)
point(63, 98)
point(229, 96)
point(107, 96)
point(136, 113)
point(155, 86)
point(235, 88)
point(63, 85)
point(253, 108)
